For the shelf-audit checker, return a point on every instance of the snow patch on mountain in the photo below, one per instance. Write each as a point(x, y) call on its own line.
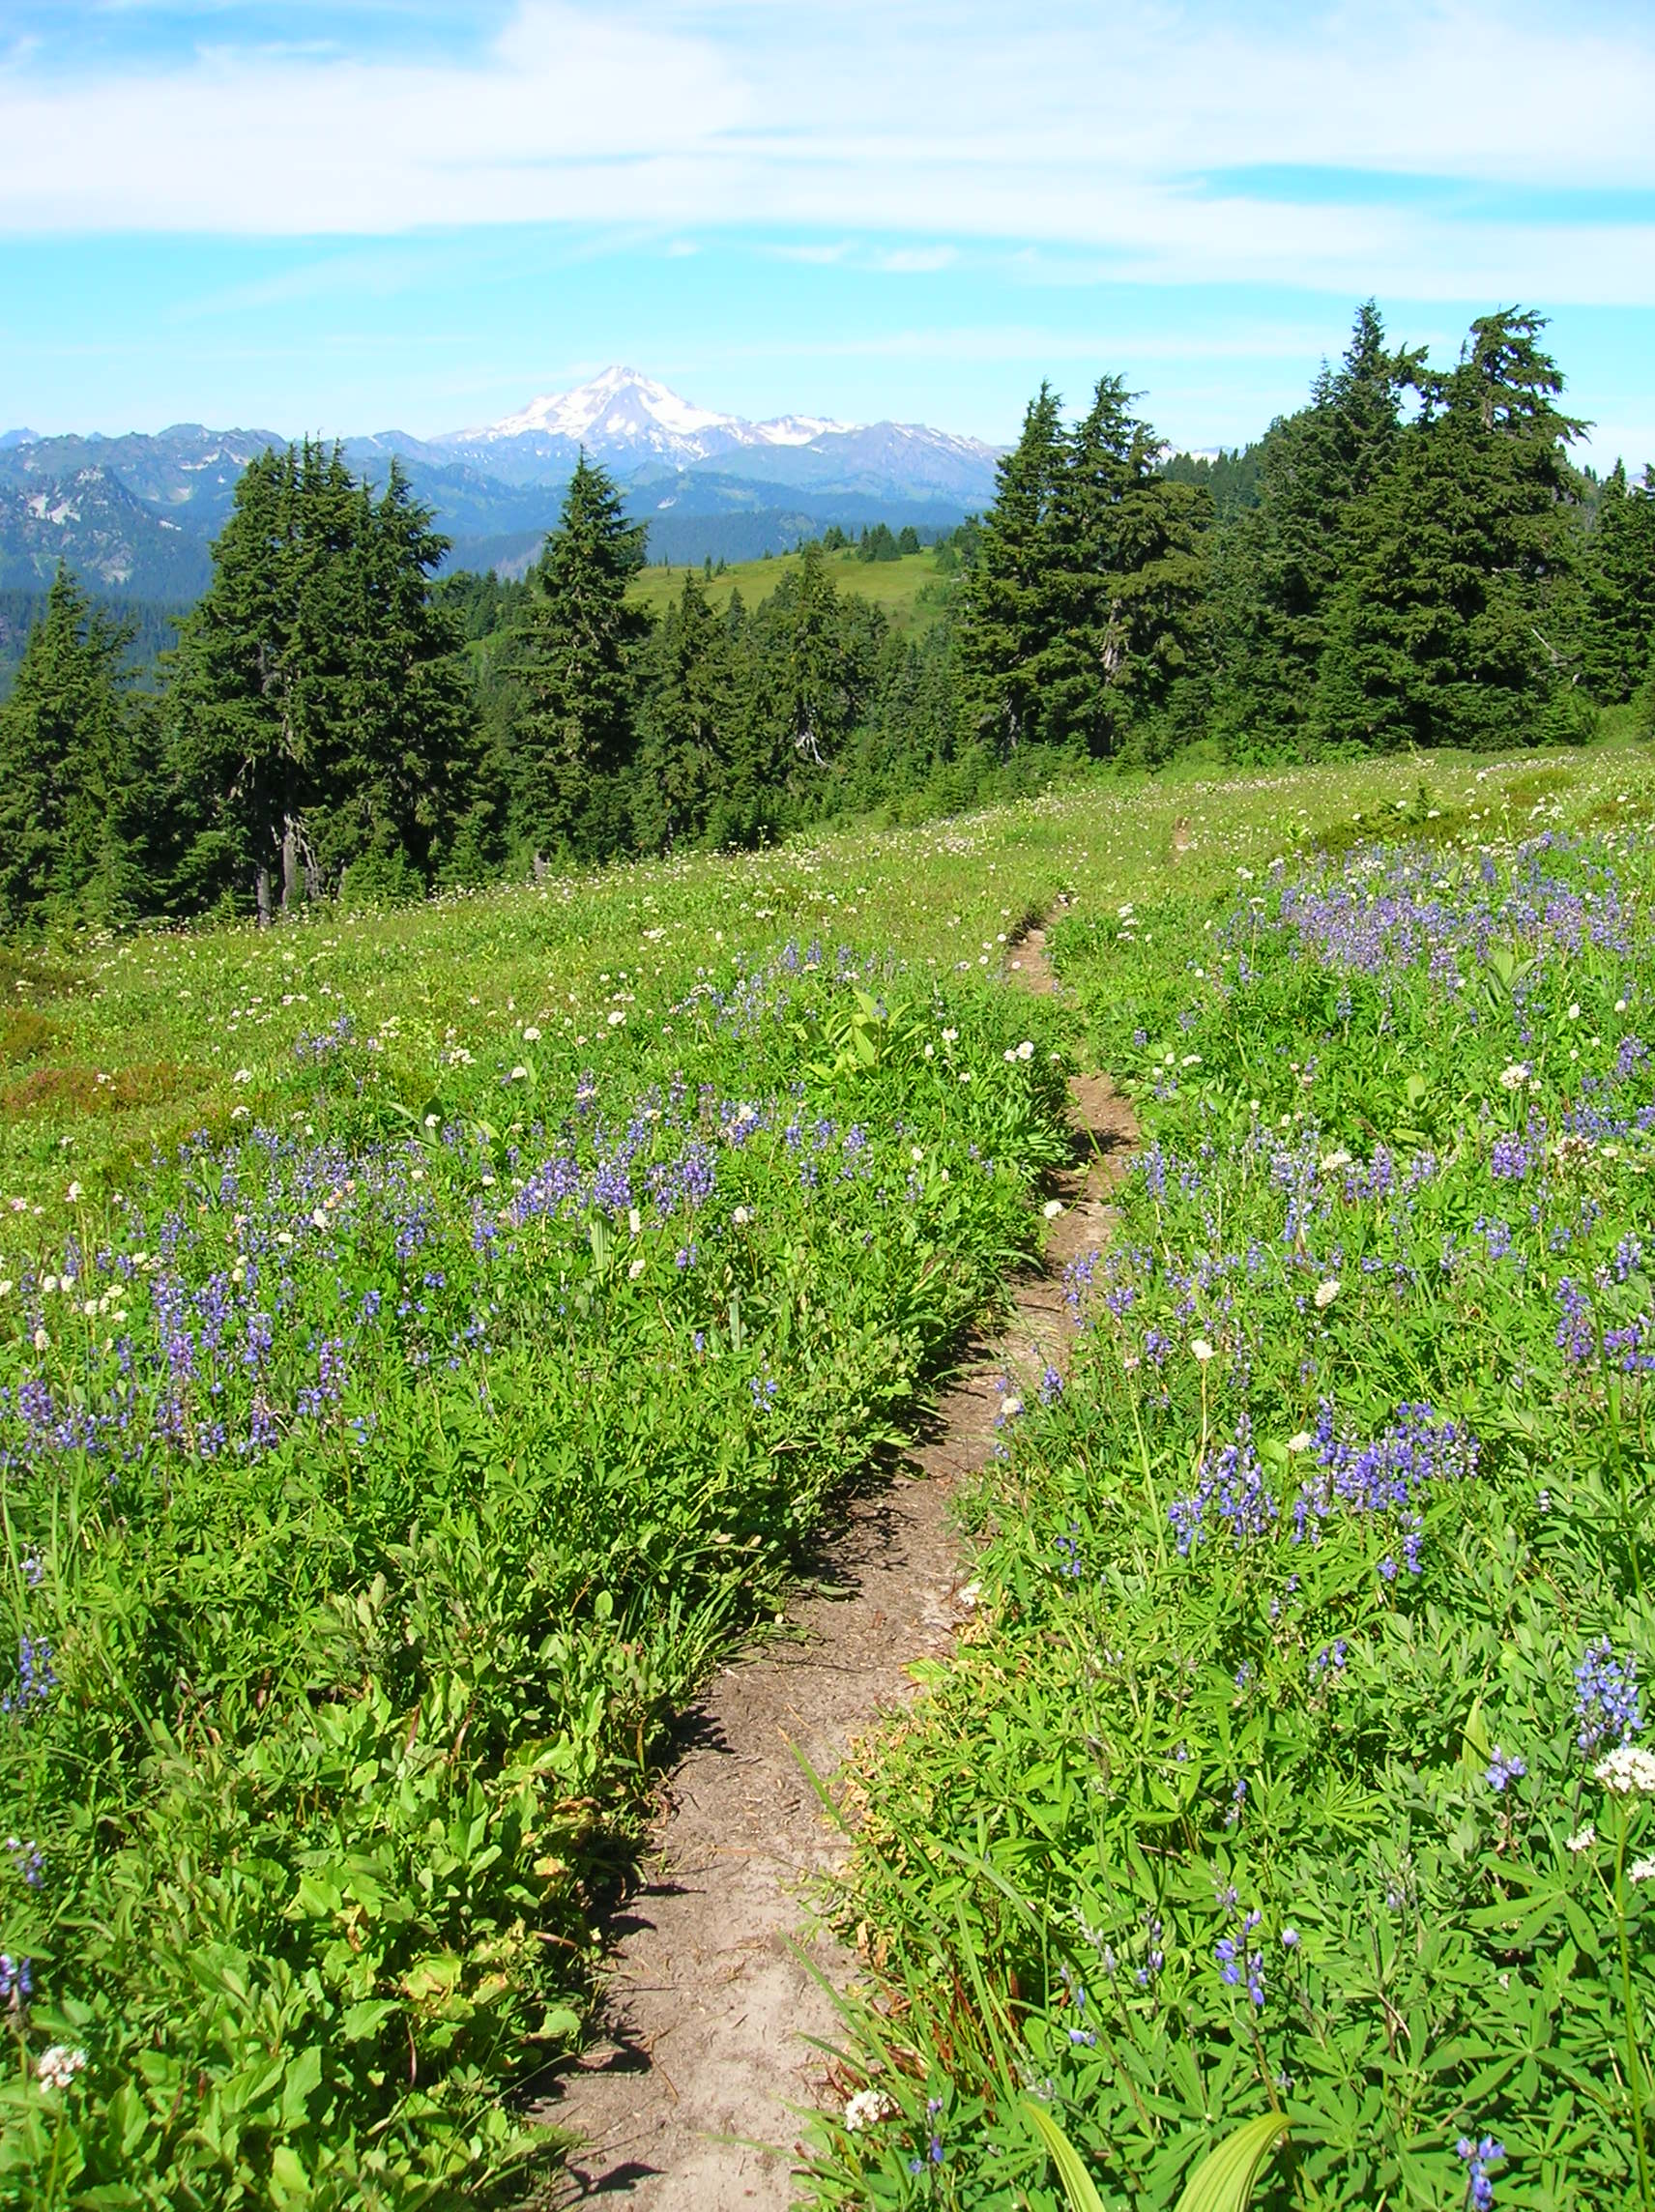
point(622, 414)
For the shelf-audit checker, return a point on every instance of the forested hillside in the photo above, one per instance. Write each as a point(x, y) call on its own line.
point(1410, 560)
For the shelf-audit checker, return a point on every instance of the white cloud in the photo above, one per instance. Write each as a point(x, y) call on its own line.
point(1083, 125)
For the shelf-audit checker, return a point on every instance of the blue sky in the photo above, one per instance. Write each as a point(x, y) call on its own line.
point(417, 213)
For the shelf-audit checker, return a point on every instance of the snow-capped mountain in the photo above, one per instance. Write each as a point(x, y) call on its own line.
point(136, 514)
point(623, 416)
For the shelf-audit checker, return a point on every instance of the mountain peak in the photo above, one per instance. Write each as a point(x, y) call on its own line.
point(621, 414)
point(9, 439)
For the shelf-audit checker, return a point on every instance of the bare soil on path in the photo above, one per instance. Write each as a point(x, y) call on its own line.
point(690, 2101)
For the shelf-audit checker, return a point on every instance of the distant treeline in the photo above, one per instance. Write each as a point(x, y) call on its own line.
point(150, 625)
point(1411, 559)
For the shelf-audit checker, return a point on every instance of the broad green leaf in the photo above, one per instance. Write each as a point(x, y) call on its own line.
point(1077, 2185)
point(1223, 2181)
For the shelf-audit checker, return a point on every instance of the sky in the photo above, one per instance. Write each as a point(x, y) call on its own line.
point(417, 214)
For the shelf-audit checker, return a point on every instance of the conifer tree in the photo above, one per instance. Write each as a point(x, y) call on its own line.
point(72, 789)
point(256, 669)
point(1012, 614)
point(403, 768)
point(318, 713)
point(688, 718)
point(814, 658)
point(1127, 579)
point(1280, 564)
point(1461, 557)
point(1619, 583)
point(580, 643)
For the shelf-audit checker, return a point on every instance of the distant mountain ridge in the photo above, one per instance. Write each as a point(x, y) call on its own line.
point(134, 516)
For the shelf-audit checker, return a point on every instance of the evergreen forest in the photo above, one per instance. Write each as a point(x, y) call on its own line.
point(1412, 559)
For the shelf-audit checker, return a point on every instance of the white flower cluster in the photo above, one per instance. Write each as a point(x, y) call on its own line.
point(56, 2067)
point(866, 2109)
point(1627, 1771)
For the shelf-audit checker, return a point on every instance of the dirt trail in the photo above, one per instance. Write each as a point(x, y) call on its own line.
point(689, 2104)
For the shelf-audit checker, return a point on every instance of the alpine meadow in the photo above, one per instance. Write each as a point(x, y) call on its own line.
point(529, 1101)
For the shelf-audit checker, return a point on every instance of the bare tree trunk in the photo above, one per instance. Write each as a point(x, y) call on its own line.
point(289, 864)
point(261, 891)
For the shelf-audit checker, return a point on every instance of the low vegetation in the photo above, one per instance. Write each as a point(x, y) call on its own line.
point(426, 1340)
point(1308, 1777)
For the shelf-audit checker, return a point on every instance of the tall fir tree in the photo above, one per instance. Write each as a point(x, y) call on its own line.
point(1012, 613)
point(1278, 565)
point(76, 794)
point(688, 720)
point(579, 648)
point(405, 770)
point(1444, 630)
point(816, 655)
point(1618, 629)
point(1127, 580)
point(317, 714)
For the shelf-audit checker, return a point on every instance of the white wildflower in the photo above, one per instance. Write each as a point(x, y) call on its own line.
point(1326, 1292)
point(1514, 1077)
point(1627, 1771)
point(1202, 1350)
point(741, 1216)
point(917, 1153)
point(1335, 1161)
point(866, 2109)
point(951, 1036)
point(636, 1269)
point(1641, 1870)
point(243, 1075)
point(1300, 1442)
point(1052, 1208)
point(49, 1284)
point(519, 1074)
point(1575, 1010)
point(75, 1194)
point(56, 2067)
point(43, 1341)
point(320, 1218)
point(616, 1019)
point(634, 1221)
point(930, 1052)
point(1582, 1840)
point(1026, 1050)
point(530, 1036)
point(1010, 1408)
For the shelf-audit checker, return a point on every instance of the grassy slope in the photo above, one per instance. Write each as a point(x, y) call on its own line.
point(147, 1045)
point(909, 591)
point(137, 1043)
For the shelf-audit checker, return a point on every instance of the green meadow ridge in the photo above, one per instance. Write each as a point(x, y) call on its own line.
point(1410, 561)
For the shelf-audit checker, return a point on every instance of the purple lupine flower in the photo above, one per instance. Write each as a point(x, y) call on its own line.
point(1606, 1706)
point(1504, 1771)
point(1477, 2157)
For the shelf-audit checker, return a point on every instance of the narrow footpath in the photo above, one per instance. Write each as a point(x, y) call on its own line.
point(691, 2103)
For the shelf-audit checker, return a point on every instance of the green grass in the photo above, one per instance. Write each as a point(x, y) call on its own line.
point(1309, 1606)
point(381, 1488)
point(909, 592)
